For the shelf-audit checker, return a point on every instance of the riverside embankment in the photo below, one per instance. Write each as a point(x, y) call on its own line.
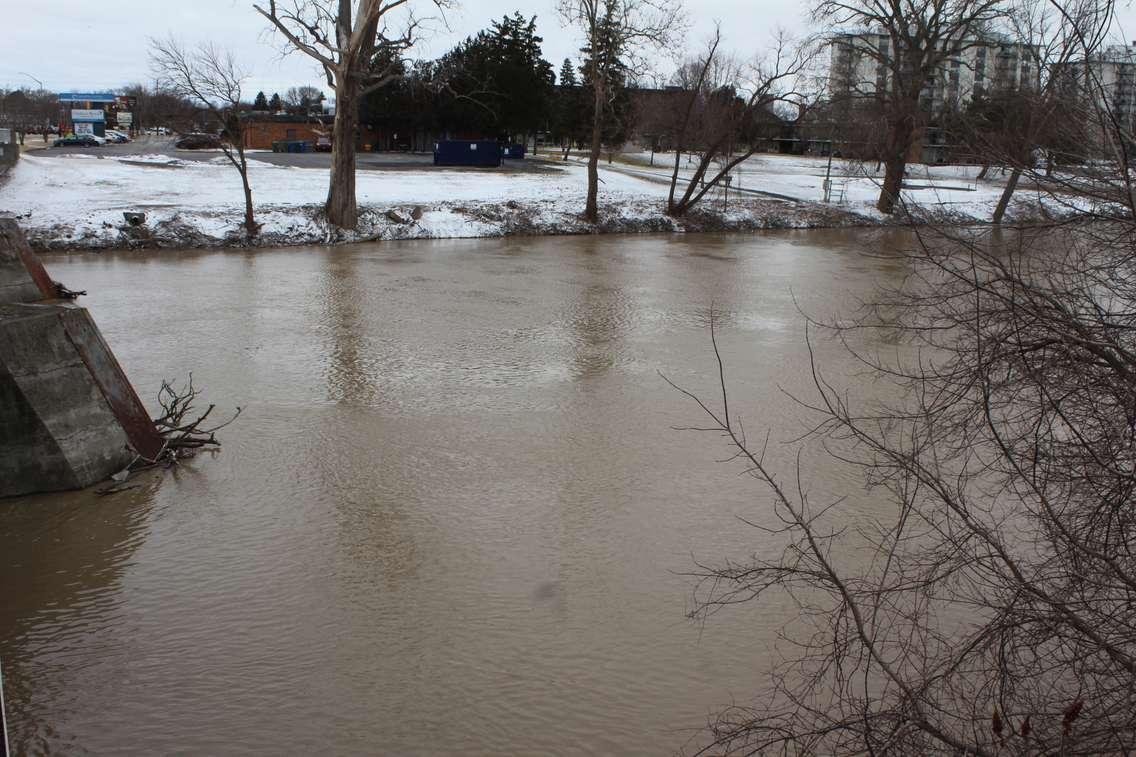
point(75, 200)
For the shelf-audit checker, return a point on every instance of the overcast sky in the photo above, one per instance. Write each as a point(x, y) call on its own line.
point(71, 45)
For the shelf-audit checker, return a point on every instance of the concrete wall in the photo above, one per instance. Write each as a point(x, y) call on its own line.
point(69, 417)
point(22, 277)
point(58, 431)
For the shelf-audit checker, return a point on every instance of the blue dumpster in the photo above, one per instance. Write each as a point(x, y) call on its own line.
point(467, 153)
point(291, 145)
point(515, 151)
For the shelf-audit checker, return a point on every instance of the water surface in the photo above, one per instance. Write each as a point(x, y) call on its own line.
point(454, 515)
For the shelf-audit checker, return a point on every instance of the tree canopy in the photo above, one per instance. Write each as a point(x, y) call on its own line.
point(498, 81)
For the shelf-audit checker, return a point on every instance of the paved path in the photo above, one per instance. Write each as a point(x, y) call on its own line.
point(662, 176)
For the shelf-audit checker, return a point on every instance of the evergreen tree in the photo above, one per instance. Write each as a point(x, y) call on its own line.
point(568, 74)
point(275, 104)
point(261, 102)
point(571, 117)
point(617, 113)
point(498, 83)
point(403, 106)
point(520, 73)
point(468, 98)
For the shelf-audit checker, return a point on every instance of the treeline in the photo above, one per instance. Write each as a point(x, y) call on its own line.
point(27, 109)
point(495, 85)
point(297, 101)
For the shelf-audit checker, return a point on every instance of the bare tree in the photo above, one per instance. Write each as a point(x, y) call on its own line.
point(993, 612)
point(359, 53)
point(303, 99)
point(725, 105)
point(616, 32)
point(154, 107)
point(909, 40)
point(210, 78)
point(1053, 37)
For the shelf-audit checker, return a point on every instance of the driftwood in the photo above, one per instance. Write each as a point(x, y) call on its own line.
point(63, 293)
point(183, 432)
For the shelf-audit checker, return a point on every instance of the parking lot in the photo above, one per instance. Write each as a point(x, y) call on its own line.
point(155, 145)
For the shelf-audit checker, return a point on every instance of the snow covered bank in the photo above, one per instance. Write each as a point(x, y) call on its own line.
point(77, 202)
point(934, 191)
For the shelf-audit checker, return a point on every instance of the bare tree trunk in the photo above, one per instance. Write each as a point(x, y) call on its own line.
point(251, 226)
point(895, 162)
point(342, 210)
point(698, 186)
point(985, 170)
point(1007, 193)
point(591, 208)
point(672, 207)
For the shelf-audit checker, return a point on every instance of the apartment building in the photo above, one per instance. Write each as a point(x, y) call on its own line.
point(1112, 82)
point(860, 67)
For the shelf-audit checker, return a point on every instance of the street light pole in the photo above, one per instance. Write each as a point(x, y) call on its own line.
point(37, 81)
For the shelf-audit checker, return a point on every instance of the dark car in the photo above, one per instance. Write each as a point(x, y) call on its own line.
point(323, 144)
point(77, 140)
point(198, 142)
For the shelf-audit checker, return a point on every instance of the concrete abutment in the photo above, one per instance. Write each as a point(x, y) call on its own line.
point(69, 417)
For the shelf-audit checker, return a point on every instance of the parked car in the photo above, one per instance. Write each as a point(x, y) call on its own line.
point(117, 137)
point(198, 142)
point(323, 144)
point(78, 140)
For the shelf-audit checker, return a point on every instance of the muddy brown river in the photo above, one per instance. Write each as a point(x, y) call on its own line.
point(454, 517)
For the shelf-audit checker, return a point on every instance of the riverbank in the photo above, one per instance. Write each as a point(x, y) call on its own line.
point(77, 201)
point(306, 224)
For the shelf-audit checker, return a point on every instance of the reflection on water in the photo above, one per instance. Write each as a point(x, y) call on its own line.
point(452, 517)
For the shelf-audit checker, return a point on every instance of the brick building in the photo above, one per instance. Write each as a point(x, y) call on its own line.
point(263, 129)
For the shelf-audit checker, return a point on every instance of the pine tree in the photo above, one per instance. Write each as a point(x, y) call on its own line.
point(568, 74)
point(275, 104)
point(521, 74)
point(571, 118)
point(261, 102)
point(503, 85)
point(608, 64)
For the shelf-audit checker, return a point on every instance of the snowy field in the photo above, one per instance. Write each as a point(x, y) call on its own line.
point(83, 196)
point(77, 200)
point(855, 186)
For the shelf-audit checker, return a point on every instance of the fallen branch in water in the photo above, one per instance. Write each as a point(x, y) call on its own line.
point(63, 293)
point(183, 433)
